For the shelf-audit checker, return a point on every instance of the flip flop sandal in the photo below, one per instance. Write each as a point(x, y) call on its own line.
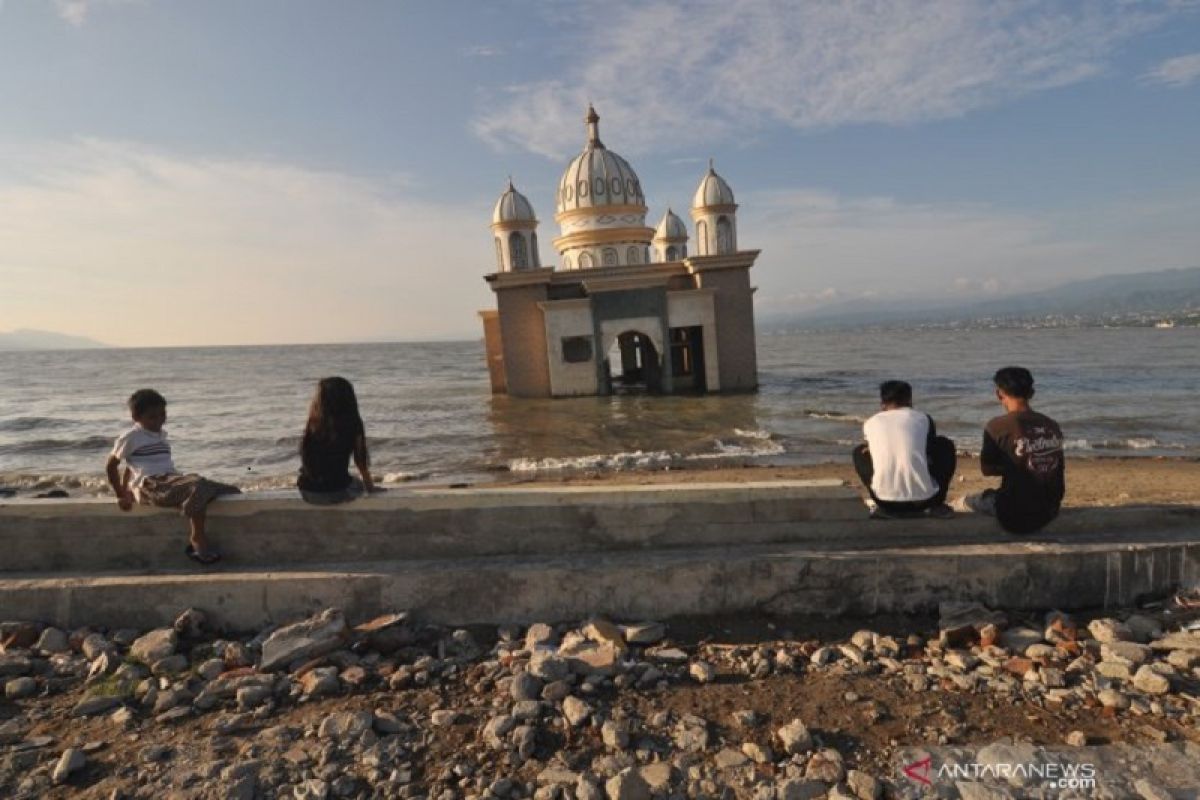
point(205, 559)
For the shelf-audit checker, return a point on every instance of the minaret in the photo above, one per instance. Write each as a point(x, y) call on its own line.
point(514, 228)
point(715, 214)
point(593, 129)
point(670, 238)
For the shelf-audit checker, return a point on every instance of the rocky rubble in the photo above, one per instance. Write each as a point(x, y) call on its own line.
point(594, 711)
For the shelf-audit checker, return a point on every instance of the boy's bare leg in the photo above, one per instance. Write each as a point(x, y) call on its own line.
point(199, 540)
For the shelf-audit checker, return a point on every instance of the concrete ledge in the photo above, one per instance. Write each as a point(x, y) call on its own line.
point(284, 532)
point(771, 578)
point(41, 536)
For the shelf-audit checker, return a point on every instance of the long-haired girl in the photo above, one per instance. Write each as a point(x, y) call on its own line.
point(334, 433)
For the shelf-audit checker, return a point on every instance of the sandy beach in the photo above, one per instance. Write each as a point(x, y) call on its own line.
point(1090, 481)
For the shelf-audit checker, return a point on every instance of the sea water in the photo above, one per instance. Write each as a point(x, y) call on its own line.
point(236, 413)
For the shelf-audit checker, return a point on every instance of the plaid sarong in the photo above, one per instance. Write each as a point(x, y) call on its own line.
point(189, 493)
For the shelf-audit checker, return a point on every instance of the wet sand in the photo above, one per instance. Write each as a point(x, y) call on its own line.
point(1090, 481)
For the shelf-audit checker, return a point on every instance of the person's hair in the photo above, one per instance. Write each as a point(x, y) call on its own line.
point(1015, 382)
point(333, 416)
point(895, 393)
point(143, 400)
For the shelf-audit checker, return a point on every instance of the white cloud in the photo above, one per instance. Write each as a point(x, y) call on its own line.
point(672, 73)
point(1179, 71)
point(76, 12)
point(134, 246)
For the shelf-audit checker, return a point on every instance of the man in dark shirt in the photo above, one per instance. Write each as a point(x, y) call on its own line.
point(1024, 448)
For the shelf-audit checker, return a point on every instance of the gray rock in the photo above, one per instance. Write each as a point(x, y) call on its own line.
point(1130, 654)
point(587, 789)
point(53, 641)
point(211, 669)
point(1149, 680)
point(93, 645)
point(252, 696)
point(702, 672)
point(155, 646)
point(12, 665)
point(1150, 791)
point(1109, 630)
point(615, 735)
point(801, 789)
point(691, 734)
point(539, 635)
point(757, 753)
point(864, 786)
point(1077, 739)
point(313, 637)
point(171, 665)
point(548, 666)
point(1111, 698)
point(496, 729)
point(346, 726)
point(795, 737)
point(96, 704)
point(311, 789)
point(1019, 639)
point(728, 758)
point(525, 686)
point(557, 691)
point(20, 688)
point(628, 784)
point(576, 711)
point(825, 765)
point(979, 791)
point(1143, 628)
point(190, 623)
point(645, 633)
point(72, 760)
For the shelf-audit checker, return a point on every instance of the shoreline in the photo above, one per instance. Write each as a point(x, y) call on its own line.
point(1094, 481)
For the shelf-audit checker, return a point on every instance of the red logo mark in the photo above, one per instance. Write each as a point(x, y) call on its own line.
point(919, 770)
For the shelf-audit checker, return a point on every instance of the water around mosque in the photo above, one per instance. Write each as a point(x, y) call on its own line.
point(237, 412)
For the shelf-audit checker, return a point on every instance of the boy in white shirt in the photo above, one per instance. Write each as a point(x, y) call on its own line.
point(904, 464)
point(151, 478)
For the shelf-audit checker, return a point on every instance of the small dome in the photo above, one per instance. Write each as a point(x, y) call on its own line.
point(671, 227)
point(598, 176)
point(713, 190)
point(513, 207)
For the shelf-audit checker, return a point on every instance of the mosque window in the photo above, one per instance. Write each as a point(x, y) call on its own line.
point(576, 349)
point(537, 260)
point(629, 186)
point(633, 256)
point(615, 185)
point(724, 235)
point(702, 236)
point(585, 188)
point(609, 256)
point(566, 262)
point(598, 185)
point(568, 193)
point(499, 254)
point(516, 251)
point(585, 260)
point(671, 253)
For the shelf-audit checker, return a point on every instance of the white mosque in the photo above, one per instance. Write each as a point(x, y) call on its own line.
point(628, 308)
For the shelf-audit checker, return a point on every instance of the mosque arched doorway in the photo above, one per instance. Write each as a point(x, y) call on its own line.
point(634, 365)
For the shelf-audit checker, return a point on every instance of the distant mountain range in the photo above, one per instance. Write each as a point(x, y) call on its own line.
point(1143, 296)
point(28, 339)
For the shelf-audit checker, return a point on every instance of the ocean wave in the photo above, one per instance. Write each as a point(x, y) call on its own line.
point(32, 423)
point(834, 416)
point(761, 444)
point(87, 443)
point(1131, 443)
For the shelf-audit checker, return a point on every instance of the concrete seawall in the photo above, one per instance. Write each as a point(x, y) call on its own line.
point(512, 555)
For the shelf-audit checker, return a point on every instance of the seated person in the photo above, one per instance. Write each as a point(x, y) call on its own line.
point(150, 475)
point(905, 465)
point(1025, 449)
point(333, 434)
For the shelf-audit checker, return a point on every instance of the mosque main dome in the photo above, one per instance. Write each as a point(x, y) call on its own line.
point(601, 211)
point(598, 176)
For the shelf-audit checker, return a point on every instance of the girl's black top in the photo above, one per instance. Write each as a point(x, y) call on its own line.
point(325, 464)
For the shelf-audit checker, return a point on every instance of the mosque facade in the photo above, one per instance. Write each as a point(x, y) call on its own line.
point(626, 307)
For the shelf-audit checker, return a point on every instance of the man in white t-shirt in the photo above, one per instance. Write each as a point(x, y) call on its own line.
point(904, 464)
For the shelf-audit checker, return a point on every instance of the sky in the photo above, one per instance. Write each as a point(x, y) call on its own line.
point(279, 171)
